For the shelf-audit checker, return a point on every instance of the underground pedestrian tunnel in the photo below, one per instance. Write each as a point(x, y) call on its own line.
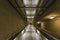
point(29, 19)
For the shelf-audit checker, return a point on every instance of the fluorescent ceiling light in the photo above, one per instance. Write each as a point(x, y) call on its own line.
point(30, 16)
point(33, 12)
point(35, 2)
point(27, 12)
point(30, 12)
point(30, 3)
point(25, 2)
point(51, 17)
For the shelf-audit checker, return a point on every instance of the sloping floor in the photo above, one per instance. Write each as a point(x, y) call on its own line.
point(30, 33)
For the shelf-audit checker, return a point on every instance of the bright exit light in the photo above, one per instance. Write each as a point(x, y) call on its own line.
point(51, 17)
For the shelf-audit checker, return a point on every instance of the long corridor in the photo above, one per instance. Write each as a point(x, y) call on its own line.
point(30, 33)
point(29, 19)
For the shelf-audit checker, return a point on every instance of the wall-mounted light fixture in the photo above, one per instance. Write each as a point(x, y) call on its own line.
point(52, 17)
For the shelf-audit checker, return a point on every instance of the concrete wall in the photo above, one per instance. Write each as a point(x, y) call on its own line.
point(10, 21)
point(53, 26)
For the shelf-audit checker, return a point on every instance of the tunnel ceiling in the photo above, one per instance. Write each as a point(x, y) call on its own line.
point(41, 8)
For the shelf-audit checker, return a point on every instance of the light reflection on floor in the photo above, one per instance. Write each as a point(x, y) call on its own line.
point(30, 33)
